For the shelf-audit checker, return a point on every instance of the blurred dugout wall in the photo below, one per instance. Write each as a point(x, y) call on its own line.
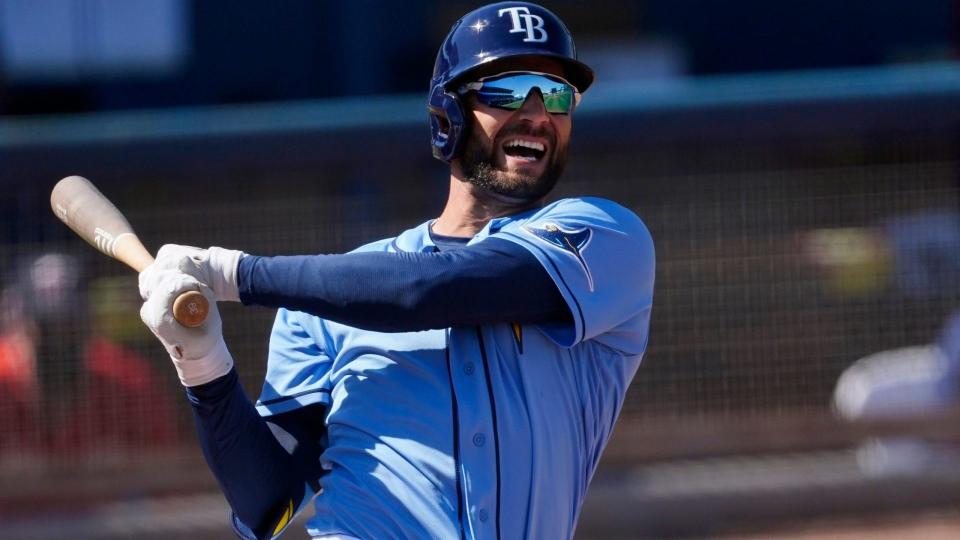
point(800, 223)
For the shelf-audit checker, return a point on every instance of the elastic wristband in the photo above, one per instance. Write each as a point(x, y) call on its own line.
point(224, 263)
point(214, 365)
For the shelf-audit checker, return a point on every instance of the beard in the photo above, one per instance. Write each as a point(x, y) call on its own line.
point(478, 161)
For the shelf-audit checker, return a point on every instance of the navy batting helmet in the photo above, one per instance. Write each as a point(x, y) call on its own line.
point(489, 35)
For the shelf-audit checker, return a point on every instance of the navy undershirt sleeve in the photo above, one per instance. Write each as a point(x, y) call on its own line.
point(493, 281)
point(262, 465)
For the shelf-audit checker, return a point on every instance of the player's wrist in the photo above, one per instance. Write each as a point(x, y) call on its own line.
point(214, 364)
point(223, 269)
point(215, 267)
point(199, 354)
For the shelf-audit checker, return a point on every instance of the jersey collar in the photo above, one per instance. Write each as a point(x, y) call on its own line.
point(415, 240)
point(418, 238)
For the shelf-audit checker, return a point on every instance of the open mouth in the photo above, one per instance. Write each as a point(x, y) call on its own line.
point(524, 150)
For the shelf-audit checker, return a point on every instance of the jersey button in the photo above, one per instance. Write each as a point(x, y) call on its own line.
point(469, 368)
point(483, 515)
point(479, 439)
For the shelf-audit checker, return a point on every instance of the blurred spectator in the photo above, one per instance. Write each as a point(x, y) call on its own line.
point(900, 384)
point(918, 253)
point(903, 382)
point(18, 375)
point(927, 252)
point(71, 382)
point(50, 285)
point(913, 380)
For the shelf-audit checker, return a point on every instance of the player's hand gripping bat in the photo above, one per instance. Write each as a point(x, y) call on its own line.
point(84, 209)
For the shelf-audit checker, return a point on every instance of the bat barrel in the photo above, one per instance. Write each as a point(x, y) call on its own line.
point(81, 206)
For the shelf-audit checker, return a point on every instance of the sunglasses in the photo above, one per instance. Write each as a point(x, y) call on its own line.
point(510, 90)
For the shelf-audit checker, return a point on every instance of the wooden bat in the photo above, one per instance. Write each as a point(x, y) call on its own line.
point(84, 209)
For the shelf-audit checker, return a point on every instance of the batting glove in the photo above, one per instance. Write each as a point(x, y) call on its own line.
point(215, 267)
point(198, 354)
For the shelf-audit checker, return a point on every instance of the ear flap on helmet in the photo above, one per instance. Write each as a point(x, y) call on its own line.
point(447, 123)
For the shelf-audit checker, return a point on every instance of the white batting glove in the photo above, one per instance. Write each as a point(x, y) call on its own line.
point(215, 267)
point(198, 354)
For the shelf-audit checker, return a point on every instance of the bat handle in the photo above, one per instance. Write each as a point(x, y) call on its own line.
point(190, 309)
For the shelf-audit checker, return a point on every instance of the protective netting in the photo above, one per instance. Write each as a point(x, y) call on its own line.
point(781, 261)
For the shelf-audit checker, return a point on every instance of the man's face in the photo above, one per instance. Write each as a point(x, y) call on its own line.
point(518, 154)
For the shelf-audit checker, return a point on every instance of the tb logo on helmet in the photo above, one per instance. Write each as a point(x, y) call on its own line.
point(524, 21)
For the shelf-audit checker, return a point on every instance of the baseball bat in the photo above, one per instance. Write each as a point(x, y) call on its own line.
point(84, 209)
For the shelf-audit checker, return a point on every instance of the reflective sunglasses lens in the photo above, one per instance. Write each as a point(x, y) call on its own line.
point(558, 101)
point(510, 92)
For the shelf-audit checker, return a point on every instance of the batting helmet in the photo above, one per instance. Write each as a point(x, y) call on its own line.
point(489, 35)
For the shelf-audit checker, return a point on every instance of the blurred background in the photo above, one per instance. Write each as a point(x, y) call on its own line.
point(796, 161)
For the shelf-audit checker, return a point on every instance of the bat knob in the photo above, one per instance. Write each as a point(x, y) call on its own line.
point(190, 309)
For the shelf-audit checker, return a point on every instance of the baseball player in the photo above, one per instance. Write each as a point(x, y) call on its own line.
point(461, 379)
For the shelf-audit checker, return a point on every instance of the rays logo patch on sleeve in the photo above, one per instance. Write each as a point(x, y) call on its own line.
point(573, 241)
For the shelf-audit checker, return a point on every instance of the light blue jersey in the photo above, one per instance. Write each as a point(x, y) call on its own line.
point(482, 432)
